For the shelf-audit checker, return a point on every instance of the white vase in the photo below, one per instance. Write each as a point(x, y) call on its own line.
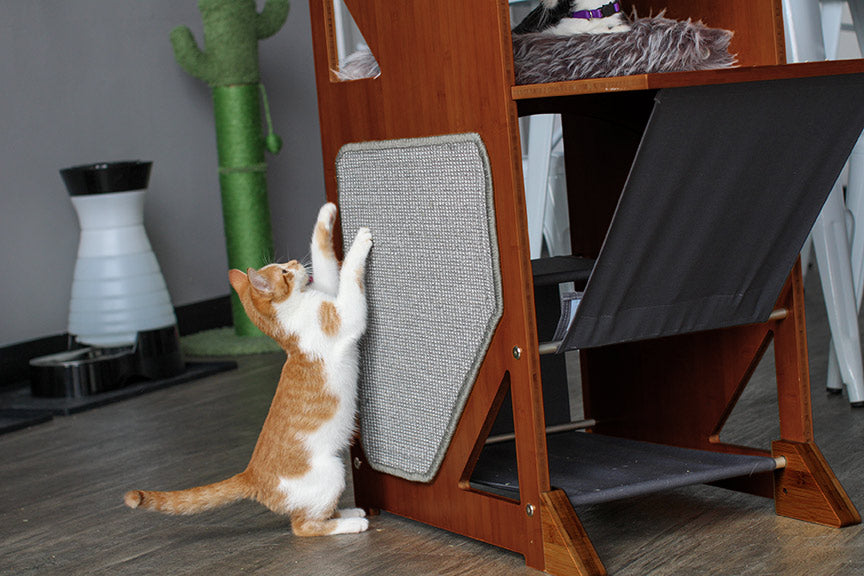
point(117, 289)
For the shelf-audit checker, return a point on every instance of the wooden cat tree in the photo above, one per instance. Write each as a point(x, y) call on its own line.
point(447, 68)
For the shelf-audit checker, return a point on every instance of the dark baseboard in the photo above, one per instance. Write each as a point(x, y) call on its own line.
point(191, 318)
point(206, 315)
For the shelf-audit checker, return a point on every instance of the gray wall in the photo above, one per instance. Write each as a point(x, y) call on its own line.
point(95, 80)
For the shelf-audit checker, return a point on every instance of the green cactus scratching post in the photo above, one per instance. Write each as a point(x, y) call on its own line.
point(229, 64)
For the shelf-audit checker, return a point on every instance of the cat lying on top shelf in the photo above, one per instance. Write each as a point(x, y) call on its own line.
point(566, 17)
point(297, 466)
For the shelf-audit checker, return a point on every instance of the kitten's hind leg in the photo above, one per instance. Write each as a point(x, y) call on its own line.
point(348, 525)
point(309, 527)
point(325, 267)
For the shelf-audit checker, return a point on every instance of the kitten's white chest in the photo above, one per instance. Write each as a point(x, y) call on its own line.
point(569, 26)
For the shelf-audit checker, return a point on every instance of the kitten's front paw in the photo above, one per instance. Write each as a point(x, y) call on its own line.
point(327, 216)
point(363, 240)
point(356, 257)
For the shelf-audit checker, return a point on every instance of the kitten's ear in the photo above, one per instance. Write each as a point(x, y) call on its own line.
point(259, 282)
point(238, 280)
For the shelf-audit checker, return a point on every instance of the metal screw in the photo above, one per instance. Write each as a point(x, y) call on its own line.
point(517, 352)
point(529, 510)
point(357, 463)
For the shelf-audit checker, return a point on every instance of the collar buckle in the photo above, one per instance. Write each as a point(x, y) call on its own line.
point(604, 11)
point(610, 9)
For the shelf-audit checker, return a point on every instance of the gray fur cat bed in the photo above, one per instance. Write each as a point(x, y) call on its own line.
point(654, 44)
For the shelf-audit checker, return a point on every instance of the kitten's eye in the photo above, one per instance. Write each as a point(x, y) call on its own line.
point(285, 271)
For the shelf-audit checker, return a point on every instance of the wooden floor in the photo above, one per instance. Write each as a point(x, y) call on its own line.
point(61, 487)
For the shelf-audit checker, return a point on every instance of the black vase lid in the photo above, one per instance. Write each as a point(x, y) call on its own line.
point(106, 177)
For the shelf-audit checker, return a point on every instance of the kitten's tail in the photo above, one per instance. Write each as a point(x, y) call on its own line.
point(193, 500)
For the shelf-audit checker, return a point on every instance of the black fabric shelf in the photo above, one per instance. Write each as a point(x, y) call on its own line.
point(592, 468)
point(559, 269)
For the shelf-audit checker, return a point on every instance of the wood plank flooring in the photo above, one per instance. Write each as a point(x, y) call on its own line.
point(61, 487)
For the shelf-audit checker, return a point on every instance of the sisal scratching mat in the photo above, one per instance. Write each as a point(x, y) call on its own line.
point(433, 287)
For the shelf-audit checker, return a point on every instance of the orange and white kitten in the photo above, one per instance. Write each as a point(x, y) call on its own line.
point(297, 465)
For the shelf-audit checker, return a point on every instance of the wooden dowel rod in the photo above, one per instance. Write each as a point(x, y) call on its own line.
point(549, 347)
point(779, 314)
point(552, 347)
point(578, 425)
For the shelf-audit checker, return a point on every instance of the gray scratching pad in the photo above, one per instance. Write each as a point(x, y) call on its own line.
point(433, 287)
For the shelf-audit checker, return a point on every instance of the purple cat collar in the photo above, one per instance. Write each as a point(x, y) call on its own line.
point(603, 12)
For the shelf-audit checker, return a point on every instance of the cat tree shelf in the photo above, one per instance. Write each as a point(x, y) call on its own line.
point(592, 468)
point(681, 79)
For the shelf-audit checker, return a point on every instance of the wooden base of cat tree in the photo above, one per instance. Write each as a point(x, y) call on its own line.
point(542, 524)
point(446, 68)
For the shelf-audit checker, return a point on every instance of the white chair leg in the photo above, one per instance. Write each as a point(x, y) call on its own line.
point(835, 271)
point(806, 253)
point(855, 207)
point(833, 384)
point(855, 186)
point(556, 221)
point(803, 23)
point(856, 8)
point(537, 177)
point(832, 16)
